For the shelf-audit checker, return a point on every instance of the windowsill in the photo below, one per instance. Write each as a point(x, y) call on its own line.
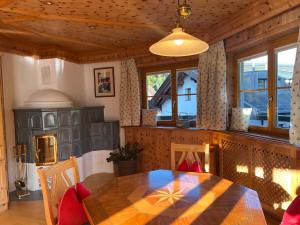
point(261, 136)
point(252, 134)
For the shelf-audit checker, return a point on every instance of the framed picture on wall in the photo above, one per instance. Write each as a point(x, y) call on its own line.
point(104, 82)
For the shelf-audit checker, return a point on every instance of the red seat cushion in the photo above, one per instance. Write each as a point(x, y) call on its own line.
point(82, 191)
point(70, 210)
point(184, 166)
point(195, 167)
point(292, 214)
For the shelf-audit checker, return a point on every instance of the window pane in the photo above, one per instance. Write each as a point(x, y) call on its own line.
point(158, 83)
point(187, 109)
point(285, 67)
point(187, 81)
point(254, 73)
point(186, 90)
point(164, 105)
point(284, 108)
point(258, 101)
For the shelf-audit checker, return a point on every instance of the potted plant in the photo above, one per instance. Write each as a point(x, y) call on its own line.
point(125, 159)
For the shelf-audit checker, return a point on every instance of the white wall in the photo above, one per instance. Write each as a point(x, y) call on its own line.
point(112, 106)
point(112, 110)
point(22, 77)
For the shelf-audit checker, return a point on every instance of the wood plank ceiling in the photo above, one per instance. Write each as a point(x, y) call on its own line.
point(87, 30)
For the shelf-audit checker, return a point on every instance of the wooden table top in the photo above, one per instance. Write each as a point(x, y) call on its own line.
point(164, 197)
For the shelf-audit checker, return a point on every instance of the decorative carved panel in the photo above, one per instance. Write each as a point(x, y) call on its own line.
point(265, 163)
point(36, 121)
point(236, 158)
point(49, 120)
point(267, 166)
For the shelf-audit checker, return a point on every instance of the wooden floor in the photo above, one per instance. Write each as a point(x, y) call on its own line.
point(32, 212)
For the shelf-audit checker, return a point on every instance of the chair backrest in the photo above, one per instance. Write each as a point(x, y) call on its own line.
point(190, 153)
point(55, 180)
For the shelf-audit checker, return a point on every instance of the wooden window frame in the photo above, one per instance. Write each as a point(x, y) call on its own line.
point(172, 68)
point(271, 48)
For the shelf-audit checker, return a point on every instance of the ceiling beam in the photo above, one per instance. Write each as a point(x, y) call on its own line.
point(17, 19)
point(31, 15)
point(130, 52)
point(48, 52)
point(60, 38)
point(19, 48)
point(8, 31)
point(260, 11)
point(28, 49)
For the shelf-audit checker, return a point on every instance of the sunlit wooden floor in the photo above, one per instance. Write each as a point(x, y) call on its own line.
point(32, 212)
point(24, 213)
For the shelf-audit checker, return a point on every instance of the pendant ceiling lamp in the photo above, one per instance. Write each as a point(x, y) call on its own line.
point(179, 43)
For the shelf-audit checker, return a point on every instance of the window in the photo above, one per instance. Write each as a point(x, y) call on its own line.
point(254, 88)
point(285, 60)
point(172, 91)
point(264, 77)
point(186, 93)
point(159, 93)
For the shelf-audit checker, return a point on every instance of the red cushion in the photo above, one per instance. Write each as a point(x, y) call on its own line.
point(195, 167)
point(184, 166)
point(70, 210)
point(82, 191)
point(292, 214)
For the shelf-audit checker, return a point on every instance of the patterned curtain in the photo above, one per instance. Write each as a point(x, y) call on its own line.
point(211, 89)
point(130, 106)
point(295, 110)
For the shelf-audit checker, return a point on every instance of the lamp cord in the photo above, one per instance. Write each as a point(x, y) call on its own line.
point(178, 16)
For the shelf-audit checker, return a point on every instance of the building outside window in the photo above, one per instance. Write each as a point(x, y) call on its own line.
point(188, 92)
point(173, 93)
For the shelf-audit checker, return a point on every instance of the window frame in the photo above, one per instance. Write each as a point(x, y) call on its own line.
point(276, 88)
point(271, 47)
point(173, 69)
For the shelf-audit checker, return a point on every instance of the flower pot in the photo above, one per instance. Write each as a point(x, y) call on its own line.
point(127, 167)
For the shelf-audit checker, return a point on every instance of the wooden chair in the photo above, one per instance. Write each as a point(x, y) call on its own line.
point(55, 180)
point(191, 153)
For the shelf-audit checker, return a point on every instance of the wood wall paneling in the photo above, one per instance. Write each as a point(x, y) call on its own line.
point(156, 144)
point(257, 13)
point(270, 29)
point(3, 163)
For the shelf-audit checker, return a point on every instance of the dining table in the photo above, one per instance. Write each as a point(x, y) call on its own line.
point(163, 197)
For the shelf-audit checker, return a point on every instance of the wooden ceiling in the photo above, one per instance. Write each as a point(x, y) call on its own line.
point(99, 30)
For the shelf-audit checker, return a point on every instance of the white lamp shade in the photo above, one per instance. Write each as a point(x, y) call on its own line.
point(178, 44)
